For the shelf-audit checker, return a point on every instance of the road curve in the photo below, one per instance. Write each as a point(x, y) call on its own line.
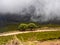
point(14, 33)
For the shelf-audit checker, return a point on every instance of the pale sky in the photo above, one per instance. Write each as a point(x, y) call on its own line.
point(46, 8)
point(13, 5)
point(42, 6)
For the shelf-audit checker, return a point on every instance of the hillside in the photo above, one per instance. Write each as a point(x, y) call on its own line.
point(32, 38)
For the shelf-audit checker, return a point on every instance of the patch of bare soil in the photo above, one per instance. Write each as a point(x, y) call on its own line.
point(14, 41)
point(17, 42)
point(53, 42)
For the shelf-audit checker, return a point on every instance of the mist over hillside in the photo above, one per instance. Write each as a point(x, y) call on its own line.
point(41, 11)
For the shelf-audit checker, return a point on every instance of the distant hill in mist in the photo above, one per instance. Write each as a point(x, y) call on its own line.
point(16, 18)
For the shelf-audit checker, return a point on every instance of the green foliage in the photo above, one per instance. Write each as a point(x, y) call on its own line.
point(8, 28)
point(32, 36)
point(22, 27)
point(5, 39)
point(32, 26)
point(39, 36)
point(14, 27)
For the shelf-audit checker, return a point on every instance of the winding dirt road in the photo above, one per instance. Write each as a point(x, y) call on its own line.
point(17, 32)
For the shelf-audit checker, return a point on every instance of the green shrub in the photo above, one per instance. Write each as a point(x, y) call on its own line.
point(32, 26)
point(22, 27)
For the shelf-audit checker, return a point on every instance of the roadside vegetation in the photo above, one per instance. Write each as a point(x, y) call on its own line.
point(5, 39)
point(27, 27)
point(35, 26)
point(39, 36)
point(32, 36)
point(8, 28)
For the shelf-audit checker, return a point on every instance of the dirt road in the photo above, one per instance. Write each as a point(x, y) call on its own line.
point(14, 33)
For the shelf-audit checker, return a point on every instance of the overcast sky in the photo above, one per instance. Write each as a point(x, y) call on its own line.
point(46, 8)
point(42, 6)
point(13, 5)
point(17, 5)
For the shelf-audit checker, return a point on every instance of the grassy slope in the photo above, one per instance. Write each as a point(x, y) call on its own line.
point(9, 27)
point(39, 36)
point(5, 39)
point(32, 36)
point(13, 27)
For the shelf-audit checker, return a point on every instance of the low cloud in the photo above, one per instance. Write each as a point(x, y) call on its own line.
point(40, 10)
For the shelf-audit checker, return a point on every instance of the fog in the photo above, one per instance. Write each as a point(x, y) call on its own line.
point(13, 6)
point(43, 10)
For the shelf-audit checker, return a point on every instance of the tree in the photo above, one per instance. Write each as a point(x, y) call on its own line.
point(22, 27)
point(32, 26)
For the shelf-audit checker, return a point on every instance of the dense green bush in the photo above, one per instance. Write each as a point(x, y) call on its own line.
point(32, 26)
point(22, 27)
